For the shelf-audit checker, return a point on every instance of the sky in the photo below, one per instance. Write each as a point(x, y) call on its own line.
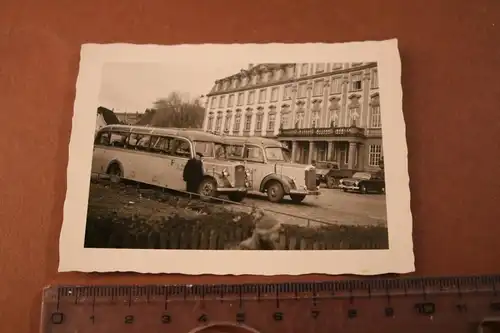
point(132, 87)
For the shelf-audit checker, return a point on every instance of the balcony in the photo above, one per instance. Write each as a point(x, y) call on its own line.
point(351, 131)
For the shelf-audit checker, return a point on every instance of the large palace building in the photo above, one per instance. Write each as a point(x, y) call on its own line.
point(322, 111)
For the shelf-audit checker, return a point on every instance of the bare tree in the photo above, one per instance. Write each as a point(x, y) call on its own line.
point(173, 111)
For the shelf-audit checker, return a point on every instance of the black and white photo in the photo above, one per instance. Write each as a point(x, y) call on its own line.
point(238, 159)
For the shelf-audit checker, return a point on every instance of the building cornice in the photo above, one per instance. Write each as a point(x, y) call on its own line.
point(293, 80)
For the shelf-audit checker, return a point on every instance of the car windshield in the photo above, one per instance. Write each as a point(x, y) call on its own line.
point(362, 175)
point(277, 154)
point(230, 151)
point(205, 148)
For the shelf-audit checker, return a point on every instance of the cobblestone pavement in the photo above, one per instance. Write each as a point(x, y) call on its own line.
point(333, 205)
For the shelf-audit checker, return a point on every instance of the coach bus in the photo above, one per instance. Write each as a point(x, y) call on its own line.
point(270, 169)
point(157, 156)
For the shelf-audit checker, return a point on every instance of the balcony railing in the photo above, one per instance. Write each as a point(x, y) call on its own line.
point(323, 132)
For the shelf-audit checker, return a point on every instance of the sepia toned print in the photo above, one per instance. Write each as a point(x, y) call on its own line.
point(206, 161)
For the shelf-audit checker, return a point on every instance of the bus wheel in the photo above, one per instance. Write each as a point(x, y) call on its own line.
point(115, 173)
point(207, 189)
point(275, 192)
point(236, 196)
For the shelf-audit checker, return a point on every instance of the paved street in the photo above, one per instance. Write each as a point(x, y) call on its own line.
point(333, 205)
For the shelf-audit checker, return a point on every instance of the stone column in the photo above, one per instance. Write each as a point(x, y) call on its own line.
point(361, 157)
point(353, 150)
point(311, 152)
point(329, 152)
point(295, 146)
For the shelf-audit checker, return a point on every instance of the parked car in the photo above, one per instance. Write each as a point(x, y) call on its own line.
point(329, 173)
point(364, 182)
point(270, 169)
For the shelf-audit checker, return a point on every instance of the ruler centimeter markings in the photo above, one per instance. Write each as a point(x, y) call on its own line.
point(449, 304)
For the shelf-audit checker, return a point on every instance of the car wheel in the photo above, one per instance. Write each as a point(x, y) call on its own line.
point(362, 189)
point(236, 196)
point(331, 182)
point(207, 189)
point(297, 198)
point(275, 191)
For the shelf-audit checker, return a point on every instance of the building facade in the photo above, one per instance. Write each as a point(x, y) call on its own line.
point(321, 111)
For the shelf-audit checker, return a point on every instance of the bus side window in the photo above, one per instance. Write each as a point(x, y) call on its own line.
point(160, 145)
point(139, 142)
point(102, 139)
point(181, 148)
point(118, 139)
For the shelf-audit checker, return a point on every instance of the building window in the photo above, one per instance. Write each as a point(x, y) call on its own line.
point(248, 122)
point(300, 120)
point(302, 92)
point(227, 124)
point(213, 102)
point(315, 120)
point(271, 122)
point(230, 101)
point(356, 83)
point(376, 119)
point(274, 94)
point(320, 68)
point(251, 97)
point(284, 120)
point(356, 64)
point(222, 101)
point(218, 123)
point(258, 122)
point(262, 95)
point(287, 92)
point(210, 123)
point(303, 69)
point(337, 65)
point(374, 155)
point(353, 115)
point(237, 121)
point(240, 98)
point(374, 81)
point(318, 88)
point(336, 86)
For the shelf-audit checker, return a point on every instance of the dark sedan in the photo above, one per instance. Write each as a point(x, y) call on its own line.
point(363, 182)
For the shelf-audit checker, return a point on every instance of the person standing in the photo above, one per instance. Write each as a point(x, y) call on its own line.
point(193, 173)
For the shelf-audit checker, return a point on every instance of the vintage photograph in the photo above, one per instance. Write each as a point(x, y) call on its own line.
point(212, 156)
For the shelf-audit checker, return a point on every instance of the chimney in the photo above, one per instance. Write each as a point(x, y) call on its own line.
point(250, 66)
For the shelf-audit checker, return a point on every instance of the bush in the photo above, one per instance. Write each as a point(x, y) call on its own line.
point(220, 229)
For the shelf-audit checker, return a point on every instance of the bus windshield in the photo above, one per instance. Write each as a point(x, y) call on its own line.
point(277, 154)
point(205, 148)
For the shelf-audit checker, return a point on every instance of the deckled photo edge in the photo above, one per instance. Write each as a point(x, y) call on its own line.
point(75, 257)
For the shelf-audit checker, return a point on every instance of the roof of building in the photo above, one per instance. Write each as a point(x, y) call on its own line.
point(256, 140)
point(108, 115)
point(255, 68)
point(189, 133)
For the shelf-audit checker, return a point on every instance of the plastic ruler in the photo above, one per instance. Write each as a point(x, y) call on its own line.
point(447, 304)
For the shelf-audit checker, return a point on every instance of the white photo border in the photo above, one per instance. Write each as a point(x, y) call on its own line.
point(399, 258)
